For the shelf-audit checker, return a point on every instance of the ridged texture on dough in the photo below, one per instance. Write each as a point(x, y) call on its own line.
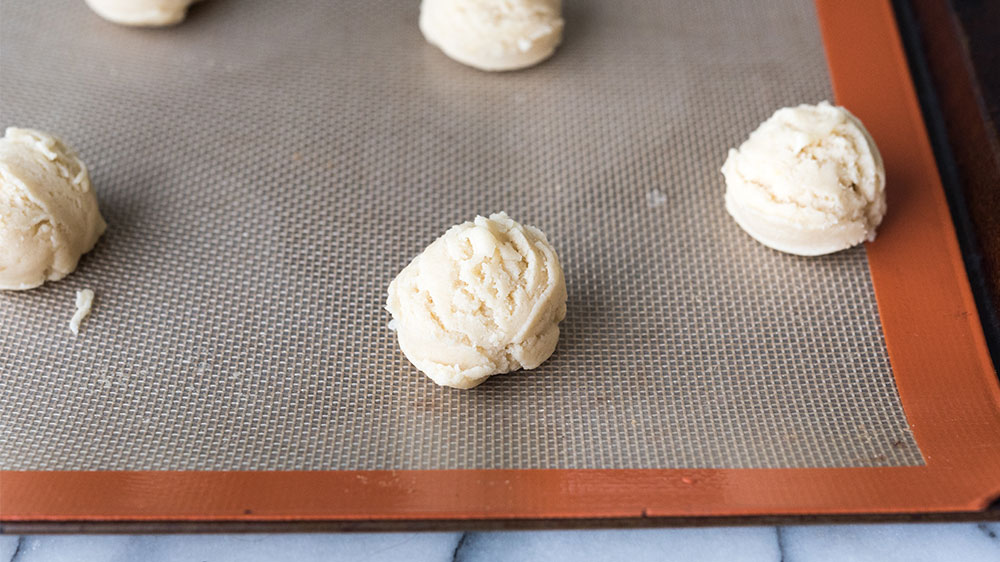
point(808, 181)
point(48, 210)
point(483, 299)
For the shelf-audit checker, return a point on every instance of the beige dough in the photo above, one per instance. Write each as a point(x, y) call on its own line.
point(483, 299)
point(48, 211)
point(84, 301)
point(151, 13)
point(808, 181)
point(493, 34)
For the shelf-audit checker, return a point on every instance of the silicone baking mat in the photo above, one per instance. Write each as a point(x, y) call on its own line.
point(264, 187)
point(267, 168)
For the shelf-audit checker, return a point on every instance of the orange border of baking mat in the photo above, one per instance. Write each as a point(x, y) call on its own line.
point(943, 371)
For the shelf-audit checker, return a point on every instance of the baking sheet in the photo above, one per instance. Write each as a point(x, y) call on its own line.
point(267, 168)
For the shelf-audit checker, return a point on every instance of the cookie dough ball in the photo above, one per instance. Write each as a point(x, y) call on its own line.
point(493, 34)
point(151, 13)
point(48, 211)
point(485, 298)
point(808, 181)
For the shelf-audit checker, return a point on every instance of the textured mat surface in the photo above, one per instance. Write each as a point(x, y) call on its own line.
point(266, 168)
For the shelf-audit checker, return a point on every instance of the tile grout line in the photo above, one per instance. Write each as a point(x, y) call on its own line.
point(780, 535)
point(17, 549)
point(987, 531)
point(458, 546)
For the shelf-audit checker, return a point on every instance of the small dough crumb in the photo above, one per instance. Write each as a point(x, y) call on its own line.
point(485, 298)
point(48, 209)
point(148, 13)
point(493, 35)
point(656, 198)
point(84, 300)
point(808, 181)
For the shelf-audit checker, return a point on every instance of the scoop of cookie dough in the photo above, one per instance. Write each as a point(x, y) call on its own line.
point(48, 211)
point(485, 298)
point(152, 13)
point(493, 34)
point(808, 181)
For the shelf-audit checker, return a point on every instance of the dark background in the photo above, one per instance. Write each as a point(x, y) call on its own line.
point(954, 51)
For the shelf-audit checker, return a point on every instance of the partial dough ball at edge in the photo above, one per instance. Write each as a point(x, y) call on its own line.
point(142, 13)
point(493, 35)
point(48, 210)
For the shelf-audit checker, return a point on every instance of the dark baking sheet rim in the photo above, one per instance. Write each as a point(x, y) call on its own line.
point(949, 102)
point(932, 330)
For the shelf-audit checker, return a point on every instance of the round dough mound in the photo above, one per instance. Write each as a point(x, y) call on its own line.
point(493, 34)
point(485, 298)
point(48, 211)
point(152, 13)
point(808, 181)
